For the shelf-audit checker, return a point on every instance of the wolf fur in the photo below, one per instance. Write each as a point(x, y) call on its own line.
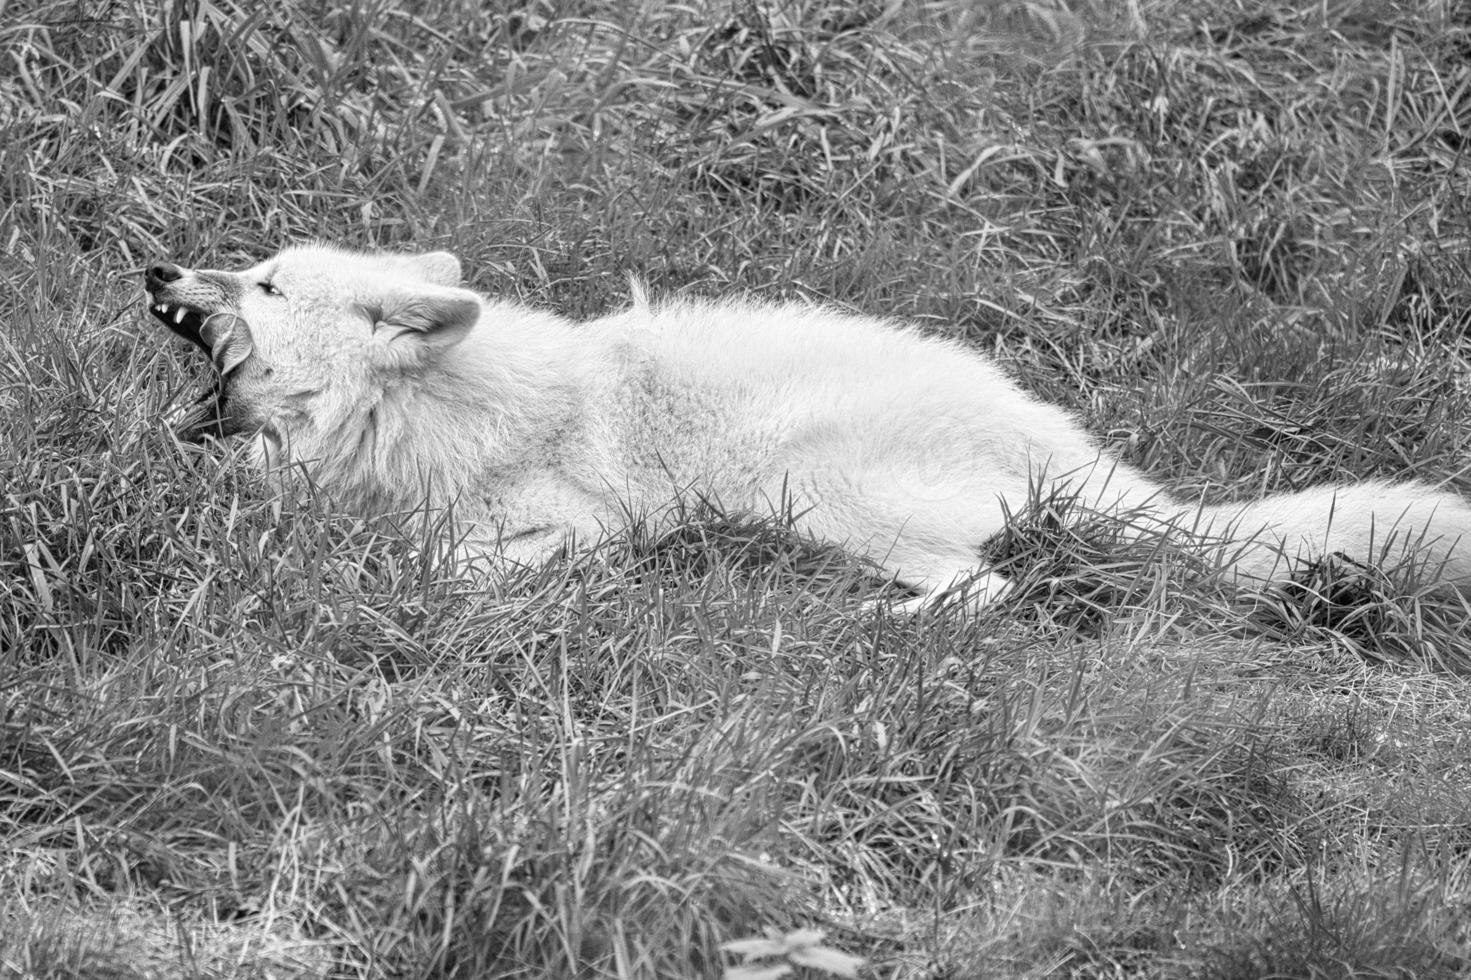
point(396, 387)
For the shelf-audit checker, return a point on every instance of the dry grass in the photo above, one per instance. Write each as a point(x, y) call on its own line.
point(244, 736)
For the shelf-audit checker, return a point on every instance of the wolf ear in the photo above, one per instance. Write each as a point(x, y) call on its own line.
point(435, 318)
point(441, 268)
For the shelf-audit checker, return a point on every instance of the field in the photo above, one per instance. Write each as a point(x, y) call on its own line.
point(245, 736)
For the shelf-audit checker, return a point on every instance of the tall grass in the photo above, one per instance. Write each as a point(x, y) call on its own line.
point(244, 735)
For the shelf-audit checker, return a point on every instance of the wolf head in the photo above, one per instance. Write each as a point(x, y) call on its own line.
point(313, 337)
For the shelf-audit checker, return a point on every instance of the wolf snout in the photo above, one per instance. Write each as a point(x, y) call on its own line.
point(161, 274)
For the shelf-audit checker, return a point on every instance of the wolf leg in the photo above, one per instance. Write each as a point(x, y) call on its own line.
point(929, 542)
point(941, 577)
point(534, 546)
point(970, 592)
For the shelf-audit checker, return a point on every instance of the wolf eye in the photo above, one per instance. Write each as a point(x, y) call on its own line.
point(270, 288)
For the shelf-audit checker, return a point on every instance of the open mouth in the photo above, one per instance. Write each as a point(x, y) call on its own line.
point(181, 318)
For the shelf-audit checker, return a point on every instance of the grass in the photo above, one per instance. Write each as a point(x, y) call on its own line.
point(246, 736)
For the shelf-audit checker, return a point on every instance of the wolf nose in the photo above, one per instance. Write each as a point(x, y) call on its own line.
point(162, 272)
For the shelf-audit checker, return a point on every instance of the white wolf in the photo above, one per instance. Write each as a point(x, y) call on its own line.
point(394, 386)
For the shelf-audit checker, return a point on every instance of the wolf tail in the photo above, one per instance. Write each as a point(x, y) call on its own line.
point(1378, 521)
